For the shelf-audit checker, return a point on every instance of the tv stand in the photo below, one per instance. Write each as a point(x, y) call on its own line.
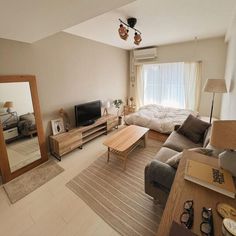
point(64, 143)
point(89, 122)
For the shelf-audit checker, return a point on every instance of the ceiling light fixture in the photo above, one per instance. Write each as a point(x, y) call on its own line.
point(123, 31)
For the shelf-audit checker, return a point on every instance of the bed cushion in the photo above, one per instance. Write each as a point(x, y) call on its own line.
point(178, 142)
point(193, 128)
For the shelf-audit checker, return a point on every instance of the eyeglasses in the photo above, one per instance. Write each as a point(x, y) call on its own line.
point(186, 217)
point(206, 226)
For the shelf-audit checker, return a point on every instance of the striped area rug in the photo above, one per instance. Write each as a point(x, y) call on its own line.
point(118, 196)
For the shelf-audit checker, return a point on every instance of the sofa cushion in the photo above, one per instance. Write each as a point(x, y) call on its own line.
point(164, 154)
point(174, 160)
point(193, 128)
point(178, 142)
point(29, 117)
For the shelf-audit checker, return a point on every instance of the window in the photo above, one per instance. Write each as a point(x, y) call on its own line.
point(170, 84)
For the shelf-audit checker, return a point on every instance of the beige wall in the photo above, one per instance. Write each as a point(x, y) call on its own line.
point(69, 70)
point(228, 110)
point(212, 53)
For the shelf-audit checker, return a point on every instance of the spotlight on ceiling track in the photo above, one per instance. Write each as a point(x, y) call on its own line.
point(123, 31)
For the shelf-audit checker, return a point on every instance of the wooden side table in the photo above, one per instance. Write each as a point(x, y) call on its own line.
point(129, 109)
point(183, 190)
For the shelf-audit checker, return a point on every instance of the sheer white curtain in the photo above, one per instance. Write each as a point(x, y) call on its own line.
point(192, 78)
point(139, 89)
point(169, 84)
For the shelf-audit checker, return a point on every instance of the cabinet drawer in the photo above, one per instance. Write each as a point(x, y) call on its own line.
point(65, 148)
point(10, 133)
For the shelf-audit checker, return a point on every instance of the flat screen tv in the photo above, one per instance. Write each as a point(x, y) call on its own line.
point(87, 113)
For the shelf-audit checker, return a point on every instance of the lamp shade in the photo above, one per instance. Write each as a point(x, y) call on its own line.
point(215, 86)
point(223, 135)
point(8, 104)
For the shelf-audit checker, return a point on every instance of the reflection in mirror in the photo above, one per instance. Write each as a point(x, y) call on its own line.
point(18, 121)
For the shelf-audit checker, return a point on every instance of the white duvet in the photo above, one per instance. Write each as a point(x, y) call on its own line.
point(159, 118)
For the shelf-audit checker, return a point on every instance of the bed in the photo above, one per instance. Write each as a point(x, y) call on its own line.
point(158, 118)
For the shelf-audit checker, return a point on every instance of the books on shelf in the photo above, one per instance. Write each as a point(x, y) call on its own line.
point(216, 179)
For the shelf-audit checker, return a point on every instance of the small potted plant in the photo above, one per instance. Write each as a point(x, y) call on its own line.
point(117, 103)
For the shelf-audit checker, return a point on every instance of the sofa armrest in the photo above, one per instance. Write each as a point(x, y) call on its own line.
point(160, 173)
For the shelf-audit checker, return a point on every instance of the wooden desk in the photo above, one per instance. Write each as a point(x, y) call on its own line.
point(183, 190)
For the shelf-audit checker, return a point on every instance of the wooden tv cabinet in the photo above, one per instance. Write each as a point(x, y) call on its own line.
point(64, 143)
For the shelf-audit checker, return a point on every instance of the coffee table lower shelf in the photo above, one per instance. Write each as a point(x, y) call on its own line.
point(124, 155)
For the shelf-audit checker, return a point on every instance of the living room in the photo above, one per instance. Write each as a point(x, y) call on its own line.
point(72, 70)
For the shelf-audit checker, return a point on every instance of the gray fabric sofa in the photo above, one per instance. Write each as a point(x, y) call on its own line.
point(159, 176)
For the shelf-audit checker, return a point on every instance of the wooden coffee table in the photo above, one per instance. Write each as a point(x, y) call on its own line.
point(125, 141)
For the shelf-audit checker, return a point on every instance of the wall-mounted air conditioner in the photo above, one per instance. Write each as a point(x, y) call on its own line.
point(145, 54)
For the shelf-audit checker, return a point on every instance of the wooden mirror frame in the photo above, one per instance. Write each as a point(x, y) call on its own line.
point(7, 175)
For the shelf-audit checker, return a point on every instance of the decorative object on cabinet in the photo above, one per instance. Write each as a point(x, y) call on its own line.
point(12, 167)
point(64, 115)
point(106, 105)
point(117, 103)
point(131, 101)
point(57, 126)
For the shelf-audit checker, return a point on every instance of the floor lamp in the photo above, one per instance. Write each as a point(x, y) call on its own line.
point(214, 86)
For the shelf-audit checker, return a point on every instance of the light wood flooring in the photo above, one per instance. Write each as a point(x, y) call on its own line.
point(53, 209)
point(157, 136)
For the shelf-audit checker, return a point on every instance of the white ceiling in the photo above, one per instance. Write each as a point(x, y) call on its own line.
point(161, 22)
point(31, 20)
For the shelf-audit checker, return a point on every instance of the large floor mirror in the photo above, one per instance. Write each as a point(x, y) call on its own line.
point(22, 140)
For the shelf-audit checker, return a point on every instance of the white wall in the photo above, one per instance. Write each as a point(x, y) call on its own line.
point(69, 70)
point(212, 53)
point(228, 110)
point(19, 94)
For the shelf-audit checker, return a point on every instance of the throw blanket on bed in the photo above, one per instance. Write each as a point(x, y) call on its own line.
point(159, 118)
